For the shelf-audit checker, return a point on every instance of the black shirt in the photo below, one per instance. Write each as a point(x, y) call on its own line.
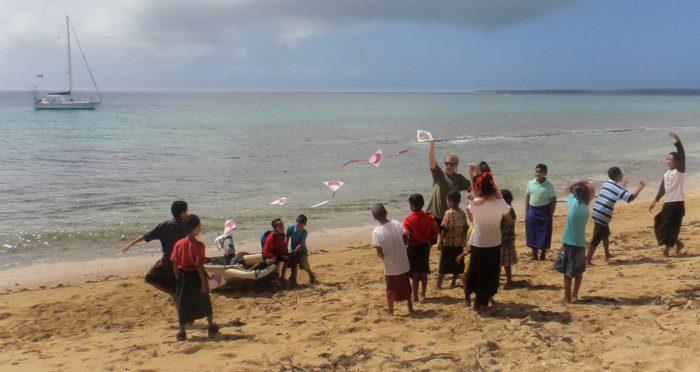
point(168, 232)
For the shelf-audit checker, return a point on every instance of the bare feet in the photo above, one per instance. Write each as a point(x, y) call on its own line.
point(607, 257)
point(422, 299)
point(666, 251)
point(567, 300)
point(679, 246)
point(508, 285)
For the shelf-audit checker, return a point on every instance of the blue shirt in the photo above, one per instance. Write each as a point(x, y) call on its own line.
point(296, 237)
point(610, 193)
point(575, 231)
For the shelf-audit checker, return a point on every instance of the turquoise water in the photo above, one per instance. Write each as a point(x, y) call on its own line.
point(76, 184)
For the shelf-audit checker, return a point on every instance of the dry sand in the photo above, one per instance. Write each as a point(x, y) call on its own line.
point(639, 312)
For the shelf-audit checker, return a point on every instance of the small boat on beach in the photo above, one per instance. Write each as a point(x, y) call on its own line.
point(65, 100)
point(248, 267)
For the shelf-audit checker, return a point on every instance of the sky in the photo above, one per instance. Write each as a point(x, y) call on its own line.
point(354, 45)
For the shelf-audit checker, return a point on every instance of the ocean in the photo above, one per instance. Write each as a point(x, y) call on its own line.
point(77, 185)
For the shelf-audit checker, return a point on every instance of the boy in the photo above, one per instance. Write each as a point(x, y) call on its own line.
point(275, 249)
point(610, 193)
point(421, 230)
point(169, 232)
point(296, 240)
point(192, 291)
point(388, 239)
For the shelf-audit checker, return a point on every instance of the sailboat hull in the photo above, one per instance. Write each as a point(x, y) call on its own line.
point(66, 106)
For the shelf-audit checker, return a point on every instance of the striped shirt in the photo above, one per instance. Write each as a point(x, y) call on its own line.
point(609, 194)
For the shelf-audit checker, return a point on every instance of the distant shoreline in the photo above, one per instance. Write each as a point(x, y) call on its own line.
point(632, 92)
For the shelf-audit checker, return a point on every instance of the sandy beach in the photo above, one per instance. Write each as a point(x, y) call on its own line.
point(639, 312)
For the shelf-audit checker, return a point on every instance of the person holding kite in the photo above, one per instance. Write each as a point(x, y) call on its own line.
point(444, 181)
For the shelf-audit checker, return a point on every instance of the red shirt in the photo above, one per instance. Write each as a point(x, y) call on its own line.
point(421, 228)
point(188, 254)
point(275, 245)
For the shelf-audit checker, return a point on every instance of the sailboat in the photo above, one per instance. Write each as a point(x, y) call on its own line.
point(64, 100)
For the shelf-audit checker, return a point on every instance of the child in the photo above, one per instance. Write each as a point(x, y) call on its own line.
point(192, 289)
point(388, 239)
point(453, 239)
point(169, 232)
point(296, 240)
point(571, 259)
point(508, 254)
point(610, 193)
point(275, 249)
point(420, 230)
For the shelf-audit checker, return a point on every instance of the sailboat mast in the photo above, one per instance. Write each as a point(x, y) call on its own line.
point(70, 67)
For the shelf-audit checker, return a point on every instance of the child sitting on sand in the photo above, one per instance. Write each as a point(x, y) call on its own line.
point(388, 239)
point(192, 289)
point(296, 240)
point(421, 230)
point(571, 259)
point(508, 254)
point(453, 239)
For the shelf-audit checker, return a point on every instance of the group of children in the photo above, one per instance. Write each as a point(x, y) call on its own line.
point(288, 250)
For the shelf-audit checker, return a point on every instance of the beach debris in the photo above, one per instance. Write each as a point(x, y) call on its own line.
point(479, 366)
point(280, 201)
point(320, 204)
point(334, 185)
point(375, 160)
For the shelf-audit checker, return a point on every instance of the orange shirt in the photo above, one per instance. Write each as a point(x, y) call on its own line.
point(188, 254)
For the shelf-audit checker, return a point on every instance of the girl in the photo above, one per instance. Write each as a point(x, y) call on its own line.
point(540, 201)
point(192, 289)
point(508, 254)
point(453, 239)
point(571, 259)
point(487, 211)
point(667, 224)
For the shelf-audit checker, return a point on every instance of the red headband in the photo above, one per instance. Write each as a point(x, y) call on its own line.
point(486, 176)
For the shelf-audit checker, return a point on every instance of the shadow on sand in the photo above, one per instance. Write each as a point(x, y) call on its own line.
point(512, 310)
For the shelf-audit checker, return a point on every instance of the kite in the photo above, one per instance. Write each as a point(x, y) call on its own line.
point(375, 160)
point(320, 204)
point(280, 201)
point(422, 136)
point(334, 185)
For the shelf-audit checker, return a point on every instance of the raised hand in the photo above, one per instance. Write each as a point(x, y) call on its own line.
point(674, 136)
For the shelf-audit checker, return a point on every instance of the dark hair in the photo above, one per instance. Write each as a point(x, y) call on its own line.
point(674, 154)
point(379, 212)
point(276, 222)
point(177, 208)
point(416, 201)
point(190, 223)
point(507, 196)
point(581, 192)
point(485, 183)
point(614, 173)
point(301, 219)
point(541, 167)
point(455, 197)
point(484, 167)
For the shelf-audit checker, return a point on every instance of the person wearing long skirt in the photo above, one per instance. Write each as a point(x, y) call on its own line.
point(453, 238)
point(540, 203)
point(571, 259)
point(192, 289)
point(487, 211)
point(667, 223)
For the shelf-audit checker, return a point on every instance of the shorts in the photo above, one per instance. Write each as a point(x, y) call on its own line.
point(162, 274)
point(571, 261)
point(600, 233)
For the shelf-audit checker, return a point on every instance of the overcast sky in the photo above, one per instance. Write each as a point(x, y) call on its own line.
point(358, 45)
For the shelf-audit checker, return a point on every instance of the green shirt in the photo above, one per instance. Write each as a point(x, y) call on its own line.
point(540, 193)
point(575, 231)
point(442, 185)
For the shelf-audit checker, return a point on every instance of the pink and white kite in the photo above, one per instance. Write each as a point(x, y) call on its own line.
point(375, 160)
point(229, 225)
point(334, 185)
point(422, 136)
point(280, 201)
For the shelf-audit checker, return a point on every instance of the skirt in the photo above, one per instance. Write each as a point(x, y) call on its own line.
point(161, 273)
point(448, 265)
point(667, 224)
point(508, 255)
point(484, 274)
point(419, 258)
point(570, 261)
point(538, 227)
point(398, 287)
point(190, 302)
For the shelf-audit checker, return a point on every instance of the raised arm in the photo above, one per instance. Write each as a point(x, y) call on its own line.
point(431, 156)
point(636, 192)
point(680, 160)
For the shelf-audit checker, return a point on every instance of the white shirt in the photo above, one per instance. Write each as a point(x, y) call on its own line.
point(487, 222)
point(389, 237)
point(673, 185)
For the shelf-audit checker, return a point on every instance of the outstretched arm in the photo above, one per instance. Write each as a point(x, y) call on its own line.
point(431, 156)
point(636, 192)
point(680, 161)
point(133, 243)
